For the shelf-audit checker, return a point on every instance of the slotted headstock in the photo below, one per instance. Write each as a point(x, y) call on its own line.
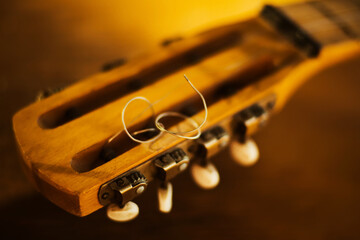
point(246, 71)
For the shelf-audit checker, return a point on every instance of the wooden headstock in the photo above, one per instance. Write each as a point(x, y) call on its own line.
point(246, 72)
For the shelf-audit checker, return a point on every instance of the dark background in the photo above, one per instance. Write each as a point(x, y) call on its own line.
point(306, 185)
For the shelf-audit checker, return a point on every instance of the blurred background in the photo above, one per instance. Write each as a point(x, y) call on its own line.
point(306, 185)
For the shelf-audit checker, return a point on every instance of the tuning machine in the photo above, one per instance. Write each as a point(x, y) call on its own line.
point(244, 149)
point(118, 193)
point(168, 166)
point(210, 142)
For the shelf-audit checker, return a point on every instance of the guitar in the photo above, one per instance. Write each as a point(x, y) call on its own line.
point(78, 145)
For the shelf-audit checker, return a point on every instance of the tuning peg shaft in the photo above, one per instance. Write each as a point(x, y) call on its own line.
point(165, 193)
point(245, 154)
point(123, 214)
point(205, 176)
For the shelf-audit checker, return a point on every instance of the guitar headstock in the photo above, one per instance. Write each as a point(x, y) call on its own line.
point(78, 155)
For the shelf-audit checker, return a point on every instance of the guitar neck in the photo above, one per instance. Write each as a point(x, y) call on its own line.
point(327, 32)
point(316, 24)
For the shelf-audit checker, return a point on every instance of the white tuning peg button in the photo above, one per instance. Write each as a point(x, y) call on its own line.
point(206, 177)
point(246, 154)
point(165, 194)
point(124, 214)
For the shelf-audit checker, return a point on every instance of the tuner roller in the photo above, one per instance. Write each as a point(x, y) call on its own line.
point(124, 214)
point(165, 194)
point(245, 154)
point(205, 176)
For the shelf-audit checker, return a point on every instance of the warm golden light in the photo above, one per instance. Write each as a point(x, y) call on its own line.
point(137, 26)
point(73, 148)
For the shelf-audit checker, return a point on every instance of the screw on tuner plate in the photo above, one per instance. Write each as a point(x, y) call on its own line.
point(203, 171)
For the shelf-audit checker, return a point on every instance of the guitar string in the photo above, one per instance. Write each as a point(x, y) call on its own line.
point(346, 14)
point(141, 113)
point(159, 126)
point(175, 114)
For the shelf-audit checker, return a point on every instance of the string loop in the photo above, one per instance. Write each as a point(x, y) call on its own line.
point(159, 126)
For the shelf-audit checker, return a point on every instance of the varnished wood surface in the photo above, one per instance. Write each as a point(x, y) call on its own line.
point(306, 185)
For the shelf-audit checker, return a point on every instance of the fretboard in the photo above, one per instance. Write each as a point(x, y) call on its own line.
point(314, 24)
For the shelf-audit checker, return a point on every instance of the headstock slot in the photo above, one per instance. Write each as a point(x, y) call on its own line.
point(169, 61)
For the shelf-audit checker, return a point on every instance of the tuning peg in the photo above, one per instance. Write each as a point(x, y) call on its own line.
point(165, 193)
point(205, 176)
point(123, 214)
point(210, 142)
point(113, 64)
point(169, 41)
point(246, 153)
point(48, 92)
